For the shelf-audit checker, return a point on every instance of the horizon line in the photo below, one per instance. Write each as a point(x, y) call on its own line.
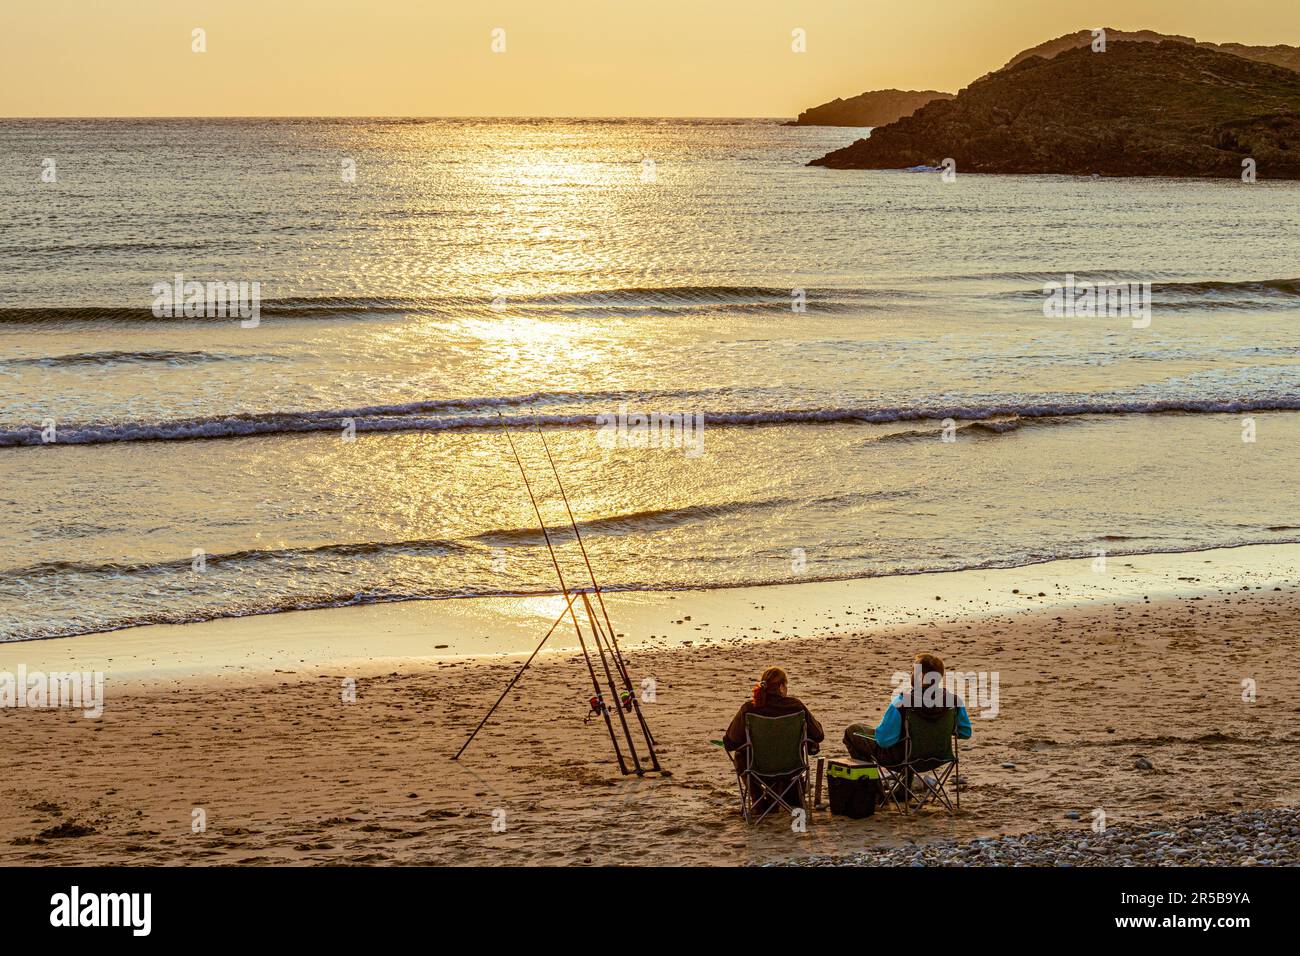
point(403, 116)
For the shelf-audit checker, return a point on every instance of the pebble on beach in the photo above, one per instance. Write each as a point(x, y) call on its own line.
point(1268, 837)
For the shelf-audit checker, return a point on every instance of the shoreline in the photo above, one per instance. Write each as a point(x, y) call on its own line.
point(693, 589)
point(415, 633)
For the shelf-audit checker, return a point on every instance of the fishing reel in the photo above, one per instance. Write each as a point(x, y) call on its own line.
point(599, 708)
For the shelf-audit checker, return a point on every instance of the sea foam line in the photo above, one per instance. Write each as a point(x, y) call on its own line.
point(413, 416)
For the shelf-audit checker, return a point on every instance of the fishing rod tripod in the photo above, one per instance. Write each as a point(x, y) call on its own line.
point(622, 701)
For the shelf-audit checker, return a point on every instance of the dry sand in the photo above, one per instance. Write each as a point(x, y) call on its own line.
point(1090, 678)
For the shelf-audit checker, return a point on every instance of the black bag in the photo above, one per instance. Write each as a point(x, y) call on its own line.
point(854, 788)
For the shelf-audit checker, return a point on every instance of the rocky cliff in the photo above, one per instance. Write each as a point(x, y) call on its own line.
point(1279, 55)
point(873, 108)
point(1138, 109)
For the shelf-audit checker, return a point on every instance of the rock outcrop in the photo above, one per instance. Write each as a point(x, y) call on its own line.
point(1138, 109)
point(1279, 55)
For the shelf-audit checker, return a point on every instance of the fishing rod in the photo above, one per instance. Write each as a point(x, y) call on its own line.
point(598, 700)
point(582, 547)
point(558, 621)
point(613, 688)
point(628, 699)
point(613, 636)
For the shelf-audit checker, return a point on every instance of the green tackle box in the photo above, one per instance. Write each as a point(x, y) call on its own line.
point(854, 787)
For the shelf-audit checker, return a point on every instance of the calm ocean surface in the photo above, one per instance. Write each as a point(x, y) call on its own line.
point(349, 448)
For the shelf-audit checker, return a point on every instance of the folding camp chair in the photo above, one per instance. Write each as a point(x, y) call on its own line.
point(772, 765)
point(930, 756)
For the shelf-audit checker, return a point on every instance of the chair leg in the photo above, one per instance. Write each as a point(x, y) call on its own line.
point(773, 799)
point(802, 792)
point(799, 785)
point(941, 794)
point(936, 789)
point(905, 783)
point(942, 786)
point(923, 793)
point(746, 810)
point(892, 784)
point(764, 795)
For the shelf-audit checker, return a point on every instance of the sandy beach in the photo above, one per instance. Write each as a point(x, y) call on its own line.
point(242, 723)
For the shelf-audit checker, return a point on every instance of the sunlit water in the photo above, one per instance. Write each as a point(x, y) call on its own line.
point(350, 447)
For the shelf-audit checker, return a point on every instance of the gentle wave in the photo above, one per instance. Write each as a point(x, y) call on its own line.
point(1278, 287)
point(93, 247)
point(668, 299)
point(631, 523)
point(414, 416)
point(992, 426)
point(1160, 282)
point(1187, 296)
point(634, 522)
point(419, 547)
point(152, 357)
point(1033, 277)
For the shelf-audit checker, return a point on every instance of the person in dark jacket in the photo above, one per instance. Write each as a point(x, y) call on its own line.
point(769, 698)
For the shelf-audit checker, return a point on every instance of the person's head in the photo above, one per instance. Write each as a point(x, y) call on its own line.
point(928, 664)
point(772, 683)
point(927, 681)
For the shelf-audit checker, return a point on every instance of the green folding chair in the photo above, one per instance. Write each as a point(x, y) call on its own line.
point(772, 765)
point(930, 756)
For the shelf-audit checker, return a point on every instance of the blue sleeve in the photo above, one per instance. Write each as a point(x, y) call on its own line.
point(963, 722)
point(890, 727)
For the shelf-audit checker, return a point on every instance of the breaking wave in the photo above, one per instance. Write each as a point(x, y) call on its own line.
point(668, 300)
point(168, 357)
point(635, 522)
point(486, 414)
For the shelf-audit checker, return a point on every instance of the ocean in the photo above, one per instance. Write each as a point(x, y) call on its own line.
point(853, 372)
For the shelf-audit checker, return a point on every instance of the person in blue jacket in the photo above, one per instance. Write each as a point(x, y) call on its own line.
point(927, 697)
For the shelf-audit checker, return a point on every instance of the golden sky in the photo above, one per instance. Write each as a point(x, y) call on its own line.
point(562, 58)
